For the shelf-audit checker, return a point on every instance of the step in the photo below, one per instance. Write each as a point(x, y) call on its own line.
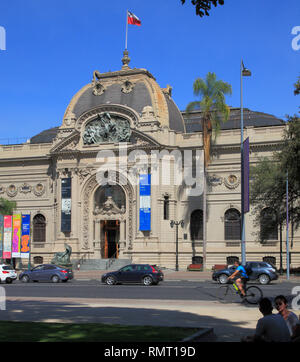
point(102, 264)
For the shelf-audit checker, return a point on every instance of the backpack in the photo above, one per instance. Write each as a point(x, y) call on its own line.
point(248, 269)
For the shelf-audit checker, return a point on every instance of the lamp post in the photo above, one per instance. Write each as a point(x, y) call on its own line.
point(244, 73)
point(176, 223)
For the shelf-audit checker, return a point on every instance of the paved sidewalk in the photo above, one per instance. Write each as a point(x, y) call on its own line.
point(169, 275)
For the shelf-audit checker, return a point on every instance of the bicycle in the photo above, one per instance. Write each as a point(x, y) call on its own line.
point(228, 292)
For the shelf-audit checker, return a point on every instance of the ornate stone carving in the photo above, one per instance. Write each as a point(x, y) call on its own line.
point(107, 128)
point(83, 173)
point(92, 184)
point(69, 120)
point(231, 182)
point(98, 89)
point(25, 188)
point(127, 87)
point(2, 189)
point(12, 190)
point(109, 208)
point(215, 180)
point(39, 189)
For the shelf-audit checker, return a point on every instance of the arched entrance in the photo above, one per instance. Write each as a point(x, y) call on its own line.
point(109, 213)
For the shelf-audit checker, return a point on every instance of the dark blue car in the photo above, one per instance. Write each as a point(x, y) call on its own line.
point(46, 273)
point(260, 270)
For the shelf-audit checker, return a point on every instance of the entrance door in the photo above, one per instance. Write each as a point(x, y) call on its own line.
point(110, 234)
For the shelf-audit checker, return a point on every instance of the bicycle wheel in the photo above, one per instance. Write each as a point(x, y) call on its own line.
point(225, 294)
point(253, 295)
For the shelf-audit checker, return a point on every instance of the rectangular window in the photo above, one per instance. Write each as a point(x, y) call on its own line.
point(166, 208)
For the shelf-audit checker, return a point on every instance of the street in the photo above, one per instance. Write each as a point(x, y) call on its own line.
point(171, 303)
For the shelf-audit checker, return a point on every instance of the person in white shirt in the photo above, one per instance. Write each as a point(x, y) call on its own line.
point(290, 318)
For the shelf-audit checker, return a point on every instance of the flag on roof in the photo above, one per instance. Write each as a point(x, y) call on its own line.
point(133, 19)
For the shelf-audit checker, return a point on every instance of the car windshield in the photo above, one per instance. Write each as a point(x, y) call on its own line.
point(7, 267)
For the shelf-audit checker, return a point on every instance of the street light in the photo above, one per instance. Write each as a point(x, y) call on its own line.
point(176, 223)
point(244, 73)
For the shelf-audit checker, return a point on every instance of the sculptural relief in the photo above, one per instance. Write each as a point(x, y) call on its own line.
point(107, 128)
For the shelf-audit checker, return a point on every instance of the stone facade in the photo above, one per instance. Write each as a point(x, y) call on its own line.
point(31, 174)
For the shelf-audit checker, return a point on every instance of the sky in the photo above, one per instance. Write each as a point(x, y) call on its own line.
point(52, 48)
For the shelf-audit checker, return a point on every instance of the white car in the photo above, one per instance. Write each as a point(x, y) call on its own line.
point(7, 273)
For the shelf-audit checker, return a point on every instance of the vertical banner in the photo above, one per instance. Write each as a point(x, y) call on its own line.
point(7, 234)
point(16, 237)
point(145, 202)
point(25, 240)
point(246, 175)
point(66, 204)
point(1, 234)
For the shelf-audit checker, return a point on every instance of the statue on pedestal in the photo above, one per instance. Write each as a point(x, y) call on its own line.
point(63, 258)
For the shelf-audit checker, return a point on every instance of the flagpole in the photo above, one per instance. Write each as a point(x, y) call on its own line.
point(126, 29)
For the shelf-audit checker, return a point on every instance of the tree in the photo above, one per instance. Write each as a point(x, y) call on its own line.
point(297, 87)
point(7, 207)
point(214, 111)
point(204, 6)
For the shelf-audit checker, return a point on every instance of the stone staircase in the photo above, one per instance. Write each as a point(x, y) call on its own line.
point(102, 264)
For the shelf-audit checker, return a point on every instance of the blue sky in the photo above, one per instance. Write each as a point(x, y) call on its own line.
point(53, 47)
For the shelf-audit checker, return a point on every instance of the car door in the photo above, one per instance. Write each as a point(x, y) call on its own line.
point(48, 272)
point(126, 274)
point(255, 270)
point(36, 273)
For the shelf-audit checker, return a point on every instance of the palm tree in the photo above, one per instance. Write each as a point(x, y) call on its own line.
point(214, 111)
point(7, 207)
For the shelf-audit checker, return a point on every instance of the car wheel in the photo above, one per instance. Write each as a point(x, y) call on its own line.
point(147, 280)
point(264, 279)
point(55, 279)
point(25, 279)
point(8, 281)
point(110, 280)
point(223, 279)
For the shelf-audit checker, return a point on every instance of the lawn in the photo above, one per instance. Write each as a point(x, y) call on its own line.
point(89, 332)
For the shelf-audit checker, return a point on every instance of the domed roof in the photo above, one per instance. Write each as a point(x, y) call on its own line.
point(134, 88)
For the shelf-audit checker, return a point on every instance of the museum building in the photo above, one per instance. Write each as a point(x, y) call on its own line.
point(96, 184)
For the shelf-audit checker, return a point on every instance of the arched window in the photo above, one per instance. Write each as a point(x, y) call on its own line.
point(38, 260)
point(166, 207)
point(232, 259)
point(232, 225)
point(39, 229)
point(268, 224)
point(115, 191)
point(196, 225)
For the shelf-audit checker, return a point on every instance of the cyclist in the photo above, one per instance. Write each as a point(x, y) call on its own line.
point(240, 276)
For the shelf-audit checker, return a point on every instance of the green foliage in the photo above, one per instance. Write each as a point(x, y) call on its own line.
point(268, 186)
point(212, 100)
point(7, 207)
point(297, 87)
point(89, 332)
point(204, 6)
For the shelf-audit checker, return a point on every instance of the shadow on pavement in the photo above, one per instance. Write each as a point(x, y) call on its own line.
point(40, 311)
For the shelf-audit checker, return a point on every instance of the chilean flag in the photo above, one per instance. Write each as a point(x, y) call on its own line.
point(133, 19)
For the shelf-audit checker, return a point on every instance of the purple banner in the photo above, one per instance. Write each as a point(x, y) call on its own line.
point(245, 185)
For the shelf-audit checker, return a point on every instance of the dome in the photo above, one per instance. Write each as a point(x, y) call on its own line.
point(134, 88)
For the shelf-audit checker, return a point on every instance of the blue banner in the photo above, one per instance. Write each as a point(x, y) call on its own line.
point(25, 238)
point(145, 202)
